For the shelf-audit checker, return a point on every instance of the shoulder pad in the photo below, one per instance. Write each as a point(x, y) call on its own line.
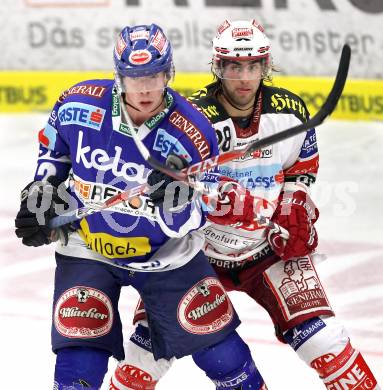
point(91, 88)
point(280, 100)
point(205, 101)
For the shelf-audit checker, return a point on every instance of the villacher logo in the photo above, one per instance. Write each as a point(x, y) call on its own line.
point(205, 308)
point(83, 312)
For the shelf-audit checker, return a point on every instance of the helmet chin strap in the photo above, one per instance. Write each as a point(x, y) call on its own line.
point(227, 98)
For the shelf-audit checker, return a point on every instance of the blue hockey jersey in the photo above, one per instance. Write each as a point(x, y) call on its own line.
point(85, 140)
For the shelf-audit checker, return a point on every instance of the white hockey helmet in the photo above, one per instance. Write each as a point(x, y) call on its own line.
point(240, 40)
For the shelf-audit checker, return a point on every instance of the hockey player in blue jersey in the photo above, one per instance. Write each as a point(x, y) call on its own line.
point(88, 154)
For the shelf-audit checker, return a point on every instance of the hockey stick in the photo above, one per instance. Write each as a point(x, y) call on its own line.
point(75, 215)
point(327, 108)
point(197, 185)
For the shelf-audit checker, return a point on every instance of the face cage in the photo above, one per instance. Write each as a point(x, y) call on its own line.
point(169, 77)
point(267, 65)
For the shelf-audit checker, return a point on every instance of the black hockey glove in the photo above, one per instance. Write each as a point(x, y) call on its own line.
point(38, 201)
point(162, 192)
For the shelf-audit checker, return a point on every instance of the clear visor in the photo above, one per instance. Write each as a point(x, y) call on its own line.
point(154, 82)
point(239, 70)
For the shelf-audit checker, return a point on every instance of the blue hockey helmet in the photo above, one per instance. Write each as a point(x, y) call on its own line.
point(142, 51)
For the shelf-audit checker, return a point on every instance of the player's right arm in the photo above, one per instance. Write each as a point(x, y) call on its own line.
point(40, 197)
point(54, 160)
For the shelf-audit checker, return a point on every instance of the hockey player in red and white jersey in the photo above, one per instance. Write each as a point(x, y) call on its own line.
point(278, 274)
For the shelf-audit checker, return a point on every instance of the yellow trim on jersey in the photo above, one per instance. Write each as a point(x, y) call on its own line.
point(114, 247)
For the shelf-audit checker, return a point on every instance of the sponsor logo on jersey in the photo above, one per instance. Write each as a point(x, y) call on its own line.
point(140, 57)
point(99, 159)
point(52, 118)
point(210, 110)
point(233, 263)
point(303, 332)
point(115, 104)
point(221, 237)
point(120, 46)
point(193, 133)
point(205, 308)
point(114, 247)
point(297, 288)
point(125, 130)
point(309, 146)
point(97, 193)
point(310, 165)
point(198, 95)
point(81, 213)
point(156, 119)
point(166, 144)
point(81, 114)
point(43, 139)
point(83, 189)
point(95, 91)
point(263, 153)
point(152, 122)
point(242, 32)
point(266, 177)
point(281, 102)
point(83, 312)
point(48, 136)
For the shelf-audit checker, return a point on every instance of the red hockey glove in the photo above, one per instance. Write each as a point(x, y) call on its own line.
point(235, 205)
point(297, 213)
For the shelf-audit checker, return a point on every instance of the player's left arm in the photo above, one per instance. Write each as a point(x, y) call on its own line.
point(295, 210)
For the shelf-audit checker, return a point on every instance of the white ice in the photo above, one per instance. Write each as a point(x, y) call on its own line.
point(349, 195)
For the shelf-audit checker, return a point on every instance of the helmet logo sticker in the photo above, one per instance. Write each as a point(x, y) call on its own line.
point(141, 34)
point(120, 46)
point(140, 57)
point(223, 27)
point(264, 49)
point(242, 32)
point(258, 26)
point(222, 50)
point(159, 42)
